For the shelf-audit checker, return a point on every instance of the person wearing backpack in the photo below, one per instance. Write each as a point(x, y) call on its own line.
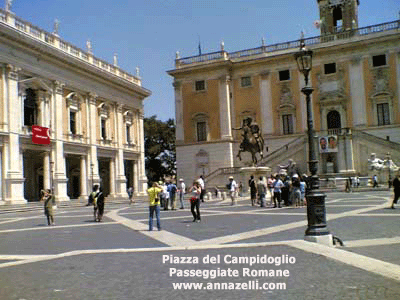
point(172, 194)
point(92, 195)
point(100, 205)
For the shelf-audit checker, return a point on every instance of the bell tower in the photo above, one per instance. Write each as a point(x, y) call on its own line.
point(338, 15)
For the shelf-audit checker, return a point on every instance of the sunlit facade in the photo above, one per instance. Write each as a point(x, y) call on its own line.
point(356, 81)
point(94, 111)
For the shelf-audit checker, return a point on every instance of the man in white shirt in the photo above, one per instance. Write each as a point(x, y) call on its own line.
point(203, 191)
point(232, 186)
point(181, 191)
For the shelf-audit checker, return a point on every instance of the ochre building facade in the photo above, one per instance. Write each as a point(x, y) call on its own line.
point(356, 81)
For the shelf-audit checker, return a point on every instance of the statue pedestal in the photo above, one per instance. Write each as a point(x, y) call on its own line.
point(246, 172)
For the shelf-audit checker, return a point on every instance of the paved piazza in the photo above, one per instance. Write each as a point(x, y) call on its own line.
point(236, 252)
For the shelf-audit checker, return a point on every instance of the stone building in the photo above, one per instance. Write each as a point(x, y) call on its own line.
point(355, 103)
point(94, 111)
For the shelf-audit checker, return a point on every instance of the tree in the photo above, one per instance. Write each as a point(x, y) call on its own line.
point(159, 144)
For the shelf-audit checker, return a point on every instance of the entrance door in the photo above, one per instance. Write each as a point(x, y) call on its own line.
point(72, 164)
point(104, 170)
point(33, 173)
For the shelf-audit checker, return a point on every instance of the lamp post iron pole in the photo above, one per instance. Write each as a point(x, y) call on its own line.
point(316, 215)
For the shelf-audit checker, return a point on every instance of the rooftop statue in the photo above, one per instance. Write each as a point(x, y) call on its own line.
point(252, 141)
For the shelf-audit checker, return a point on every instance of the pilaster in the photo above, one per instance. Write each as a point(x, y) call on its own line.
point(224, 109)
point(60, 178)
point(14, 176)
point(180, 134)
point(83, 179)
point(357, 92)
point(266, 104)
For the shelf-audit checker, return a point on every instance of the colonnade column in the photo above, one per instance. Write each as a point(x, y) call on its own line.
point(14, 165)
point(46, 171)
point(120, 181)
point(93, 116)
point(142, 179)
point(135, 177)
point(83, 178)
point(112, 178)
point(60, 178)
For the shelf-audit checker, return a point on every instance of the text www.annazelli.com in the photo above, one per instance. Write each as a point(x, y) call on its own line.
point(250, 285)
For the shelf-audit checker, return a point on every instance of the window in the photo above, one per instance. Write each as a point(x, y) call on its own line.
point(284, 75)
point(379, 60)
point(30, 108)
point(201, 131)
point(287, 123)
point(103, 128)
point(330, 68)
point(333, 120)
point(72, 122)
point(245, 81)
point(200, 85)
point(128, 133)
point(383, 114)
point(337, 18)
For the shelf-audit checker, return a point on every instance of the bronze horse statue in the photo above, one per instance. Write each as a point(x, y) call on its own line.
point(252, 140)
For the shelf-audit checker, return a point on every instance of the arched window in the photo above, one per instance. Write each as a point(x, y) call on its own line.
point(333, 120)
point(74, 113)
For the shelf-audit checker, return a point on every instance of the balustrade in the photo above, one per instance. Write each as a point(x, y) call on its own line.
point(50, 38)
point(340, 34)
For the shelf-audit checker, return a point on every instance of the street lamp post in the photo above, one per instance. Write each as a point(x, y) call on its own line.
point(316, 215)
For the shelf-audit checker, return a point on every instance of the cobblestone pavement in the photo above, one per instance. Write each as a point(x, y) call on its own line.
point(236, 252)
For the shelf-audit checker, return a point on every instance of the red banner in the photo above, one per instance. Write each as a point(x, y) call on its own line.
point(40, 135)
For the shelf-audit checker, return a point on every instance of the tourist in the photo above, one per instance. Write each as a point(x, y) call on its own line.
point(396, 189)
point(296, 190)
point(100, 205)
point(172, 194)
point(232, 188)
point(278, 185)
point(130, 195)
point(262, 191)
point(154, 204)
point(253, 190)
point(271, 181)
point(202, 185)
point(195, 201)
point(47, 198)
point(181, 192)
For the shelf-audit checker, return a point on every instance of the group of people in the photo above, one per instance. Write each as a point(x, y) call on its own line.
point(286, 189)
point(161, 194)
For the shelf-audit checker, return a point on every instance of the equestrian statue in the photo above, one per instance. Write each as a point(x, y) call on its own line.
point(253, 141)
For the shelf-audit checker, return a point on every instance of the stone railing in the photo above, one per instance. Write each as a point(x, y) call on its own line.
point(53, 40)
point(346, 34)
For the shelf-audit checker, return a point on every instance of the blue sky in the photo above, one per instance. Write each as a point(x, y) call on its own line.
point(148, 33)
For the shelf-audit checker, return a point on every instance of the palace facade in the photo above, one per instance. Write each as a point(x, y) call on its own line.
point(93, 110)
point(355, 103)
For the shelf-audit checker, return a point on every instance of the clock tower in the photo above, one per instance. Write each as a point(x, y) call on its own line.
point(338, 15)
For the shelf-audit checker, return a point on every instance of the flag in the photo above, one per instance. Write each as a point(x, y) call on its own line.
point(199, 48)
